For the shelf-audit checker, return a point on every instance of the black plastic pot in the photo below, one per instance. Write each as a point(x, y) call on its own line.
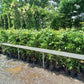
point(47, 64)
point(73, 74)
point(39, 63)
point(51, 67)
point(0, 52)
point(78, 76)
point(67, 72)
point(7, 55)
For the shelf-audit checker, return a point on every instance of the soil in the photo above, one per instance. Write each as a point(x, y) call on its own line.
point(18, 72)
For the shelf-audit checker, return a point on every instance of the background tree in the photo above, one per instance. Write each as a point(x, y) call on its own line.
point(5, 5)
point(71, 8)
point(1, 7)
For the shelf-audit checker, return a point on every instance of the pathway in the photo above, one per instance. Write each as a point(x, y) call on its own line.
point(18, 72)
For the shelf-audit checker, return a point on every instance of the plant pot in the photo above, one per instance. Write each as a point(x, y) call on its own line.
point(78, 76)
point(3, 53)
point(73, 74)
point(46, 65)
point(51, 68)
point(0, 52)
point(67, 72)
point(33, 64)
point(7, 55)
point(40, 63)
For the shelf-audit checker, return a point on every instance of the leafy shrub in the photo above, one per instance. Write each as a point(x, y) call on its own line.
point(62, 40)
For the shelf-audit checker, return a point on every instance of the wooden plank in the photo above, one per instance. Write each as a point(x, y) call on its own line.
point(66, 54)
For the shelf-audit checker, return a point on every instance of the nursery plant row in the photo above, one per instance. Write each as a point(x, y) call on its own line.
point(61, 40)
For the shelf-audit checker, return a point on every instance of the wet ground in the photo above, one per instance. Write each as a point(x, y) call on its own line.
point(17, 72)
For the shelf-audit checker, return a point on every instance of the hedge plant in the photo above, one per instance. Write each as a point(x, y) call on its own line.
point(62, 40)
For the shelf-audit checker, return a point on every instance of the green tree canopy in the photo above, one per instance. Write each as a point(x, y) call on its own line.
point(72, 9)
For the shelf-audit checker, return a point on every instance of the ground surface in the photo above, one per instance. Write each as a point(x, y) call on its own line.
point(18, 72)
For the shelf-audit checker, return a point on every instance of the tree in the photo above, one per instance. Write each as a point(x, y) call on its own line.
point(5, 5)
point(71, 8)
point(15, 14)
point(1, 7)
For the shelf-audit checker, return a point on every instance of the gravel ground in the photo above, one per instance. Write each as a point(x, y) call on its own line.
point(18, 72)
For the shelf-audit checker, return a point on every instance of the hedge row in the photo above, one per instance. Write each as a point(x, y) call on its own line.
point(62, 40)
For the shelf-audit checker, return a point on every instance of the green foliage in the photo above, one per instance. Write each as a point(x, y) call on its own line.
point(40, 14)
point(82, 23)
point(62, 40)
point(9, 20)
point(40, 3)
point(15, 14)
point(5, 21)
point(27, 17)
point(5, 5)
point(1, 21)
point(36, 17)
point(72, 8)
point(58, 21)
